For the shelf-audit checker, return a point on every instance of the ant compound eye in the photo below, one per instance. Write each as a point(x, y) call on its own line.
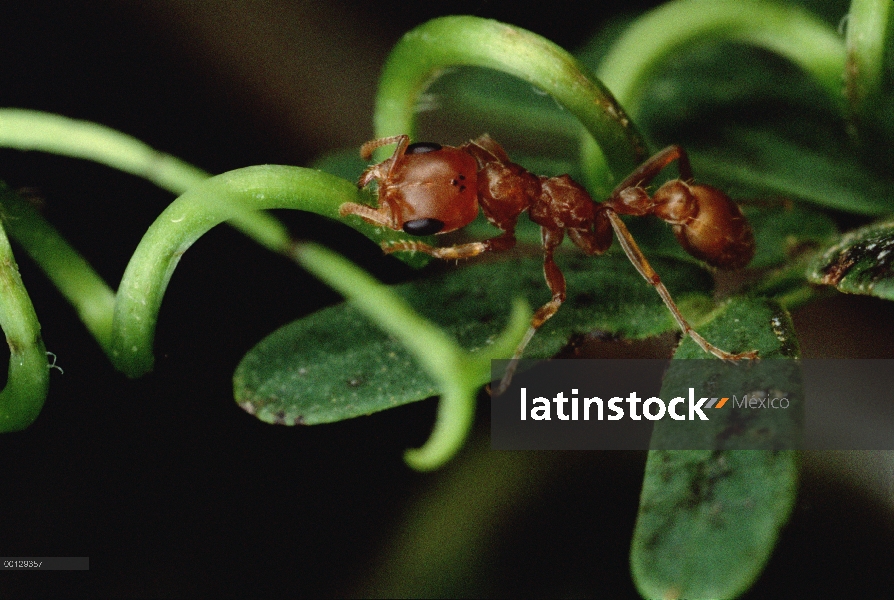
point(422, 147)
point(423, 226)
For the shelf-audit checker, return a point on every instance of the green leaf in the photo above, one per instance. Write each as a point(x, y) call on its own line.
point(756, 124)
point(784, 230)
point(762, 162)
point(860, 263)
point(664, 34)
point(754, 322)
point(335, 365)
point(870, 27)
point(713, 82)
point(709, 519)
point(757, 129)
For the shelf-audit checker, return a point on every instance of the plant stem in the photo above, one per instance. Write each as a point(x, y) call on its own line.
point(34, 130)
point(423, 53)
point(226, 197)
point(869, 30)
point(28, 377)
point(659, 35)
point(72, 275)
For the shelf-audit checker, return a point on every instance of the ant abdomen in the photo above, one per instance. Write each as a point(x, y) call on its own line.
point(706, 222)
point(716, 231)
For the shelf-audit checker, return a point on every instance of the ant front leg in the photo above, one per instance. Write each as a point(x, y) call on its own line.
point(402, 141)
point(504, 241)
point(382, 171)
point(383, 215)
point(380, 217)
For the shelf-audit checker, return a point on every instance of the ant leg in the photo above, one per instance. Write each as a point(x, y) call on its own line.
point(645, 269)
point(556, 282)
point(504, 241)
point(554, 279)
point(646, 172)
point(383, 169)
point(402, 142)
point(380, 216)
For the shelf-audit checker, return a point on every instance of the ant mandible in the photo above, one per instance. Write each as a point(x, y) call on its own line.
point(426, 188)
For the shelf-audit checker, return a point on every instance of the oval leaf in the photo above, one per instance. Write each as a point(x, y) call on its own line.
point(860, 263)
point(709, 519)
point(334, 364)
point(763, 162)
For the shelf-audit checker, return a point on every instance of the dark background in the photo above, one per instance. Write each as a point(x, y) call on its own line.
point(170, 488)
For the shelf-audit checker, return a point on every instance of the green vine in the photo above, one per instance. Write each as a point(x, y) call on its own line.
point(28, 380)
point(55, 134)
point(457, 371)
point(123, 322)
point(869, 31)
point(658, 36)
point(425, 52)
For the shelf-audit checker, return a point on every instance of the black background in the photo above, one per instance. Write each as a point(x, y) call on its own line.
point(171, 489)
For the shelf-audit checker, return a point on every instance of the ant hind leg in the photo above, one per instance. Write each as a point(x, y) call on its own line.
point(636, 256)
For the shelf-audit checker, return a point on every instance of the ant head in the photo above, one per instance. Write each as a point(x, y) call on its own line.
point(432, 189)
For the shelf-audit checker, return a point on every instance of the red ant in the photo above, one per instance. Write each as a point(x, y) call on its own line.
point(426, 189)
